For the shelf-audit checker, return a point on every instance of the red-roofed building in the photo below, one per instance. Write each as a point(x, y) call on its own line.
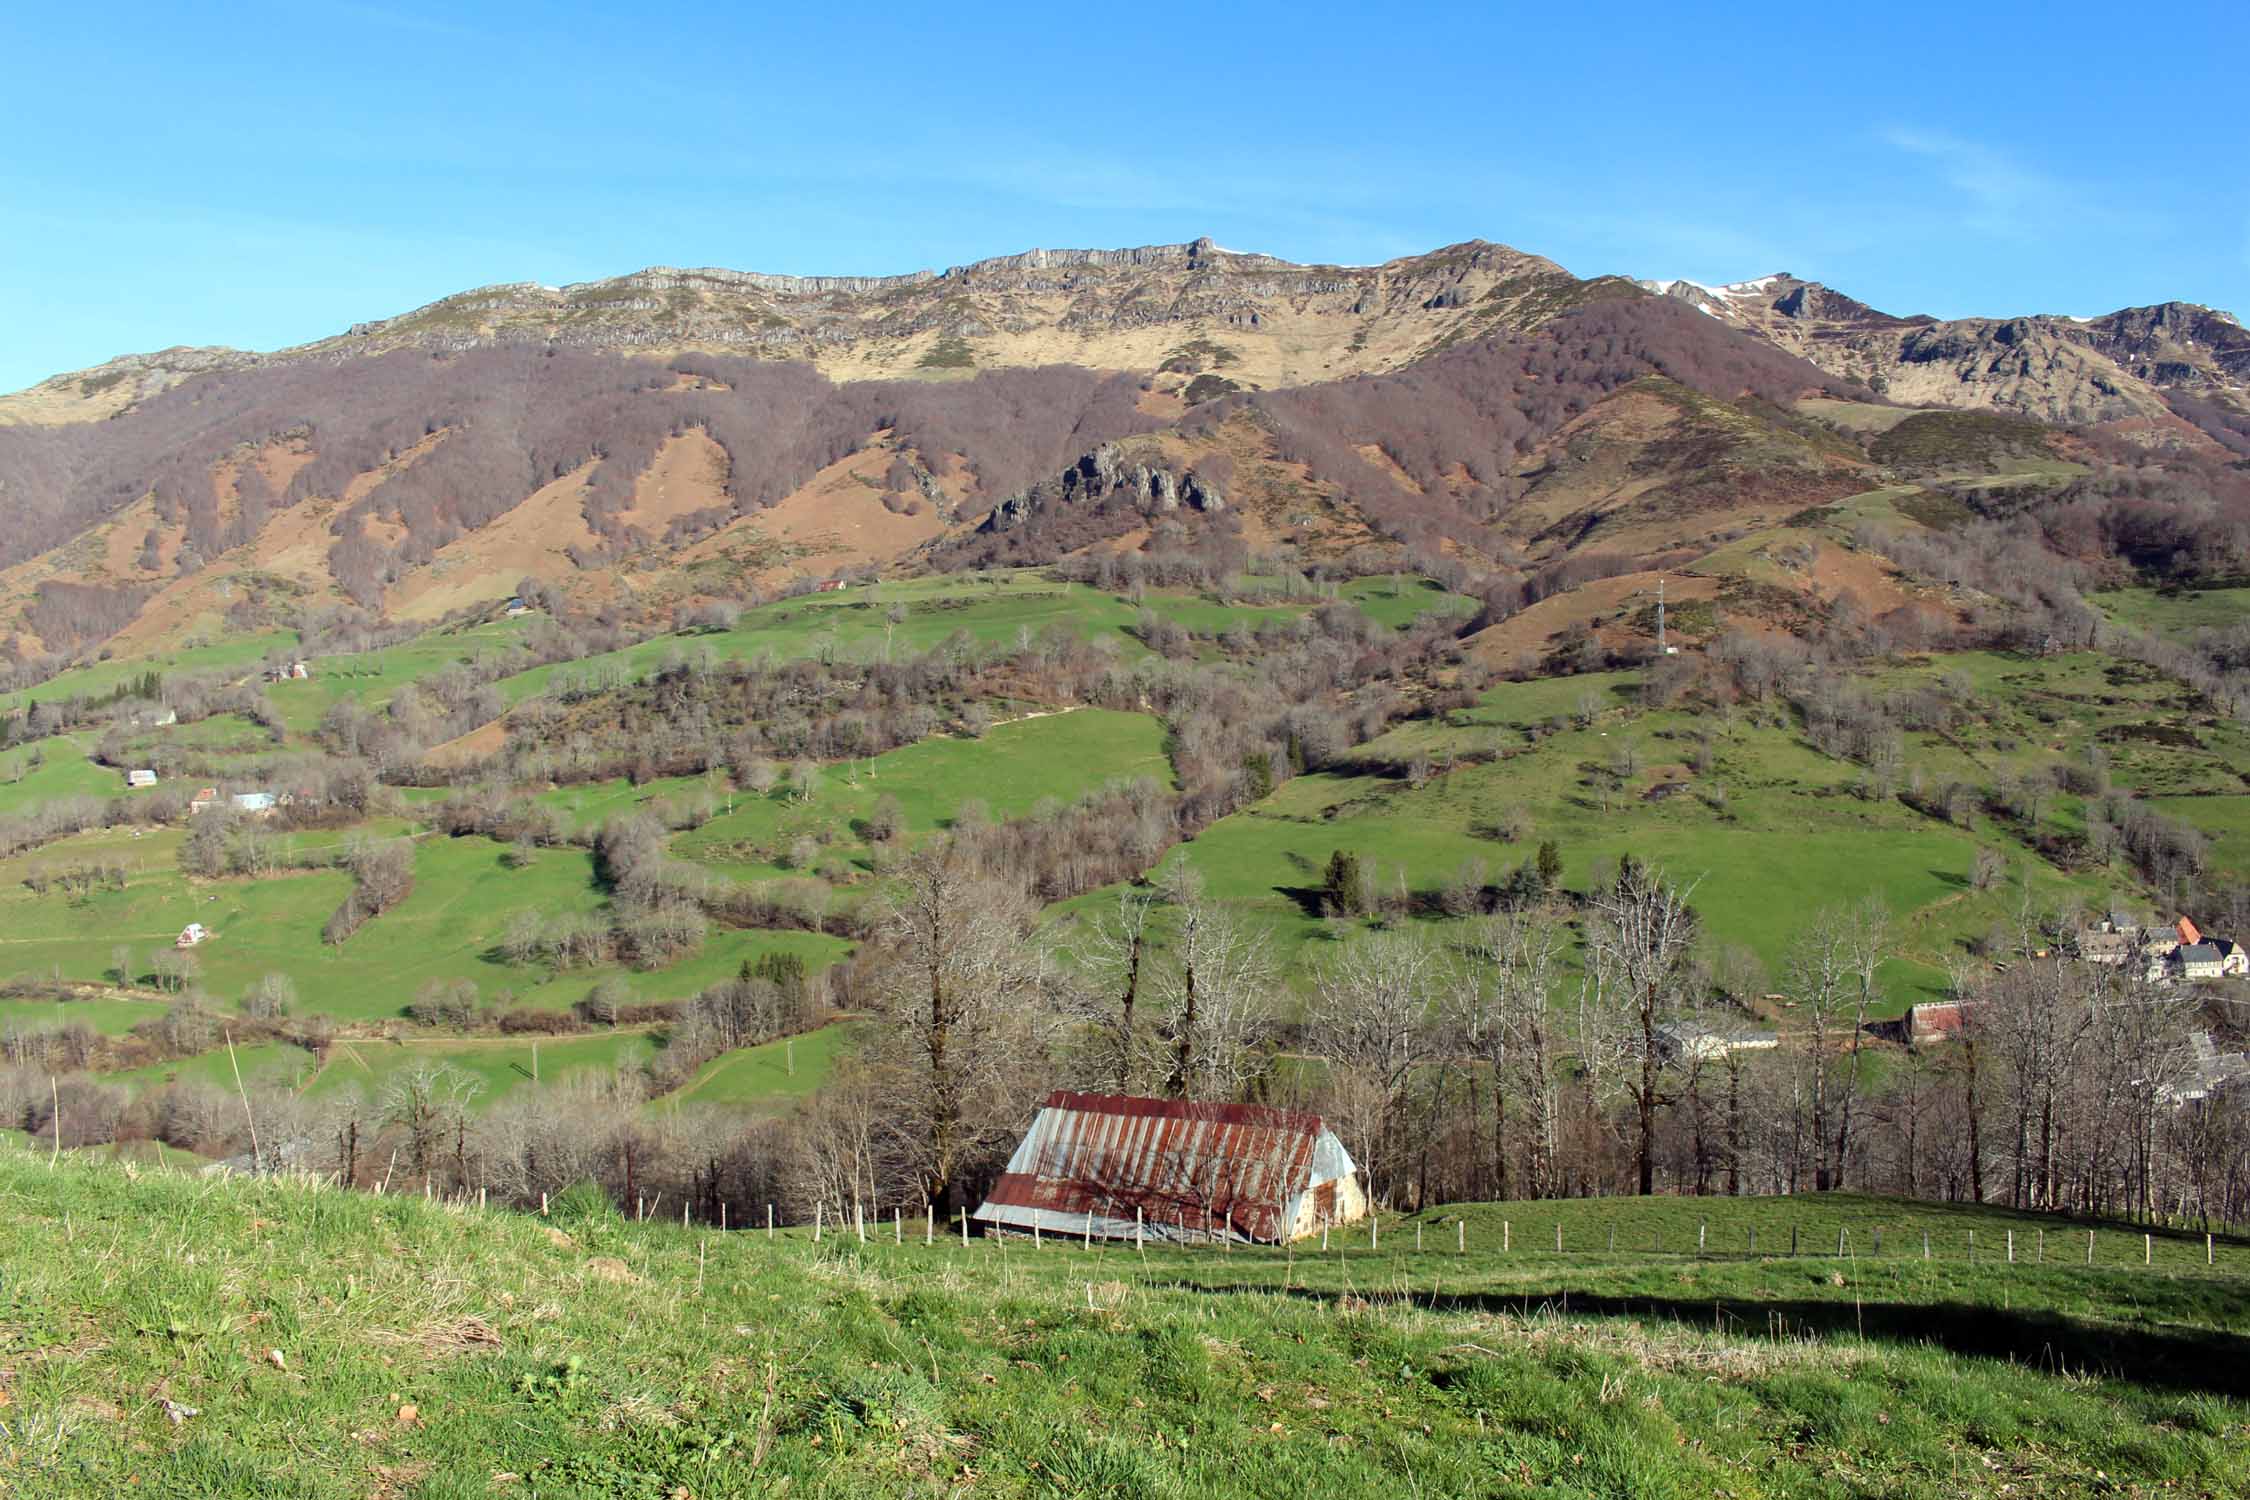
point(1113, 1165)
point(2190, 934)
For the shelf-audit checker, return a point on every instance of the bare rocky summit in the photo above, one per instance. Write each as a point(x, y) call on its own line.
point(2124, 367)
point(1203, 321)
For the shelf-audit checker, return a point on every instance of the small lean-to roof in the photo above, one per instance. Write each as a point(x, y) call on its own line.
point(1176, 1166)
point(1938, 1015)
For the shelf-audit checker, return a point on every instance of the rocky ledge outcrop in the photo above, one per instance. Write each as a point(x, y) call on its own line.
point(1105, 476)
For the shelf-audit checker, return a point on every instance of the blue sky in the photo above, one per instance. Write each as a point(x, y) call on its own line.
point(259, 175)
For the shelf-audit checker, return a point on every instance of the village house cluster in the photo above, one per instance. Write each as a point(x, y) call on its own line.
point(2161, 953)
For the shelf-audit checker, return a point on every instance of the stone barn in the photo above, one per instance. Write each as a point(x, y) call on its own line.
point(1174, 1170)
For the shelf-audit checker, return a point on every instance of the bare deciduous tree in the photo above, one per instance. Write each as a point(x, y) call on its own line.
point(1637, 937)
point(964, 1012)
point(1212, 991)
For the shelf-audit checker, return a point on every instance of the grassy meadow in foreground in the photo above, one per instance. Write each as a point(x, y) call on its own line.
point(316, 1343)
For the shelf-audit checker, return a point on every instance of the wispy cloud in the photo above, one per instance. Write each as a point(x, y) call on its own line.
point(1998, 195)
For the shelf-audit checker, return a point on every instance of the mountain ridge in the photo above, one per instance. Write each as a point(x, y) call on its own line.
point(1292, 323)
point(645, 441)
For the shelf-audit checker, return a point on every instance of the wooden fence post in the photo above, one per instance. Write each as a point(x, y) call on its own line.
point(1753, 1239)
point(929, 1223)
point(1417, 1236)
point(1089, 1242)
point(819, 1212)
point(1925, 1244)
point(1504, 1235)
point(1461, 1236)
point(2089, 1247)
point(542, 1205)
point(859, 1220)
point(2011, 1247)
point(1558, 1236)
point(2039, 1254)
point(2148, 1249)
point(1702, 1230)
point(1140, 1234)
point(898, 1228)
point(1792, 1239)
point(1374, 1231)
point(1034, 1234)
point(2210, 1255)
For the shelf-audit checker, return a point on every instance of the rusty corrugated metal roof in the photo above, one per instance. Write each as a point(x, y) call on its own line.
point(1220, 1169)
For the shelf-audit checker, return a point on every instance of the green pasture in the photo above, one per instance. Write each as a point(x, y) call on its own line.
point(589, 804)
point(2156, 736)
point(101, 677)
point(773, 1076)
point(1504, 717)
point(260, 1061)
point(1770, 835)
point(1206, 616)
point(1011, 768)
point(449, 929)
point(1399, 600)
point(373, 678)
point(2175, 615)
point(423, 1348)
point(107, 1016)
point(500, 1065)
point(50, 770)
point(2225, 821)
point(1396, 600)
point(856, 623)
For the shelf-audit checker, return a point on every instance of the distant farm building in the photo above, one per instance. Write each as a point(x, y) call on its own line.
point(140, 778)
point(1933, 1021)
point(255, 803)
point(2098, 947)
point(2206, 1072)
point(191, 935)
point(291, 671)
point(829, 586)
point(1692, 1041)
point(515, 607)
point(1111, 1165)
point(203, 799)
point(2199, 960)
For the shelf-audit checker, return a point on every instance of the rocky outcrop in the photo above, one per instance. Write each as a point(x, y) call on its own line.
point(1105, 477)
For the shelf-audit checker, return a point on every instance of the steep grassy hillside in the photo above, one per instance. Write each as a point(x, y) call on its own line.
point(282, 1339)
